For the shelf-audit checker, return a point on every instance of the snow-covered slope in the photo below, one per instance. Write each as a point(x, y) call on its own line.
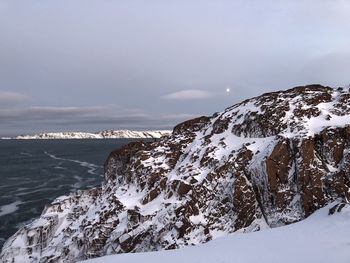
point(108, 134)
point(321, 238)
point(266, 162)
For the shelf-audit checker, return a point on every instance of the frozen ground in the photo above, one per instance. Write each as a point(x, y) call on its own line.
point(320, 238)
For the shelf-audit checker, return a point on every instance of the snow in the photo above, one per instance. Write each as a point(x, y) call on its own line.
point(198, 219)
point(328, 117)
point(109, 134)
point(319, 238)
point(316, 124)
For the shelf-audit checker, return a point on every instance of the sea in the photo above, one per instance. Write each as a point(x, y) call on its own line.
point(35, 172)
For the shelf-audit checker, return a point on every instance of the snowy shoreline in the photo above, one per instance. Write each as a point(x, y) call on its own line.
point(108, 134)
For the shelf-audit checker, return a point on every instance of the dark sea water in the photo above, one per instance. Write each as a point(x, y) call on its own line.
point(34, 172)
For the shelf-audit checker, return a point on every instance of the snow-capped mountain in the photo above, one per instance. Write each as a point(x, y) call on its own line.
point(108, 134)
point(266, 162)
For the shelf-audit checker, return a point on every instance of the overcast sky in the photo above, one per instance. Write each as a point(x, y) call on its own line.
point(93, 65)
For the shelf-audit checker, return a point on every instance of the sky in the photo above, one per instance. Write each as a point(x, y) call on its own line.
point(83, 65)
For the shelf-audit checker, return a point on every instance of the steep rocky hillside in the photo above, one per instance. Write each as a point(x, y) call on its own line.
point(321, 238)
point(268, 161)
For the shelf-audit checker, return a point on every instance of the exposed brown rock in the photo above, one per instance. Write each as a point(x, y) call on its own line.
point(181, 187)
point(278, 167)
point(244, 202)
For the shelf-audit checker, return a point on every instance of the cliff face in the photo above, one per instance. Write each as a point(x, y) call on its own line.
point(268, 161)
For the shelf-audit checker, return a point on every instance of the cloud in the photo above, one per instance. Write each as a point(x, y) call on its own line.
point(138, 52)
point(63, 114)
point(8, 98)
point(48, 113)
point(190, 94)
point(45, 119)
point(329, 68)
point(183, 116)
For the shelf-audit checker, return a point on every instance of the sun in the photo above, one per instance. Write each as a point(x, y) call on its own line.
point(228, 90)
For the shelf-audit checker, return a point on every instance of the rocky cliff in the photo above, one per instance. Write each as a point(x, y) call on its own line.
point(268, 161)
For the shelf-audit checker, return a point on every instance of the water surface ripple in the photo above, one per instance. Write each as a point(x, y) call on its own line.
point(35, 172)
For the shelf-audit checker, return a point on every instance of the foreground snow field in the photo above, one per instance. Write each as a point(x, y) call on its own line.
point(319, 238)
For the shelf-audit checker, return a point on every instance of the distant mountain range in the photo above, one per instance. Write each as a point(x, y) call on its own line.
point(108, 134)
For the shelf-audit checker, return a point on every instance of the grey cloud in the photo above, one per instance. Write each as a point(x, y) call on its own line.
point(329, 68)
point(191, 94)
point(48, 113)
point(83, 118)
point(172, 117)
point(9, 98)
point(131, 53)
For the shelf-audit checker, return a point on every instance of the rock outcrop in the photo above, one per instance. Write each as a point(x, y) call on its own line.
point(268, 161)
